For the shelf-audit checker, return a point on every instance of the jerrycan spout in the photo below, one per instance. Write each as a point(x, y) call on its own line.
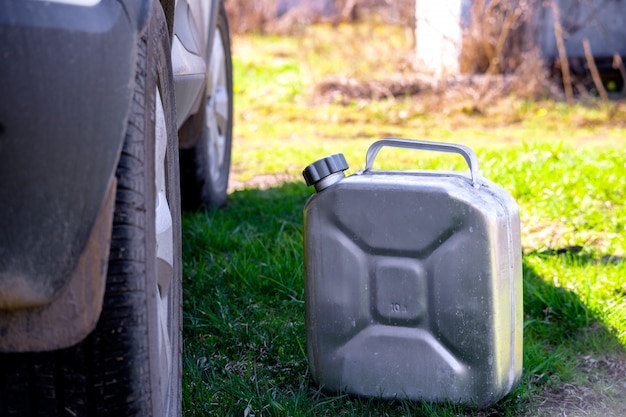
point(325, 172)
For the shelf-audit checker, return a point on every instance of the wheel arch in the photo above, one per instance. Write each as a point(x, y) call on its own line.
point(72, 301)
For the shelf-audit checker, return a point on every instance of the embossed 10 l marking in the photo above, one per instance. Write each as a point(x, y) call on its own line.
point(398, 308)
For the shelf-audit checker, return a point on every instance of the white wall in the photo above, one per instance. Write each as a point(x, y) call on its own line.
point(438, 36)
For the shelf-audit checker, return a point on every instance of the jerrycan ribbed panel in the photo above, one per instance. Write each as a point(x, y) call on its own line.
point(413, 281)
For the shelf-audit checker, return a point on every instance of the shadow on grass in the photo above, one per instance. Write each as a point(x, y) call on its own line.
point(573, 365)
point(245, 337)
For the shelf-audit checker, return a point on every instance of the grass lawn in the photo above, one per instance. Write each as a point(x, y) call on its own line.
point(244, 334)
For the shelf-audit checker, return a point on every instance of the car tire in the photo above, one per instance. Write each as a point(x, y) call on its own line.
point(130, 365)
point(205, 167)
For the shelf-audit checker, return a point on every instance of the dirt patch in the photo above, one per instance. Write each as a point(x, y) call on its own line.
point(344, 89)
point(261, 181)
point(480, 89)
point(557, 236)
point(602, 394)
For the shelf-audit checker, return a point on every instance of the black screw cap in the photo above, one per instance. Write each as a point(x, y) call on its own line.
point(324, 167)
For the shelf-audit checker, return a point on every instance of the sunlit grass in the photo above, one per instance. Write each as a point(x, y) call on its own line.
point(244, 312)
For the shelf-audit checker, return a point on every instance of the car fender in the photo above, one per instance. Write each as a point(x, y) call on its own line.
point(191, 44)
point(65, 72)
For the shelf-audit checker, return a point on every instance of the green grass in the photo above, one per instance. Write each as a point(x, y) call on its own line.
point(244, 334)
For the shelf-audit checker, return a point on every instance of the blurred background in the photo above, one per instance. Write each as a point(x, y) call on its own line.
point(577, 42)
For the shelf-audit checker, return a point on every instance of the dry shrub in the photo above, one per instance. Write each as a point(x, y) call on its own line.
point(264, 16)
point(250, 15)
point(400, 12)
point(497, 36)
point(499, 41)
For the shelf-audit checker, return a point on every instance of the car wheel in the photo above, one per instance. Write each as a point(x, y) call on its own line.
point(206, 166)
point(130, 365)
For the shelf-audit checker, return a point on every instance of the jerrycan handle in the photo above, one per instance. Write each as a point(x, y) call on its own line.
point(464, 151)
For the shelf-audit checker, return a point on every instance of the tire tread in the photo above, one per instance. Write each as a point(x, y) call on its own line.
point(102, 375)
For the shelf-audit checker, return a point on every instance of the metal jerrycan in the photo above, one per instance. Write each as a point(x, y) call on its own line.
point(413, 281)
